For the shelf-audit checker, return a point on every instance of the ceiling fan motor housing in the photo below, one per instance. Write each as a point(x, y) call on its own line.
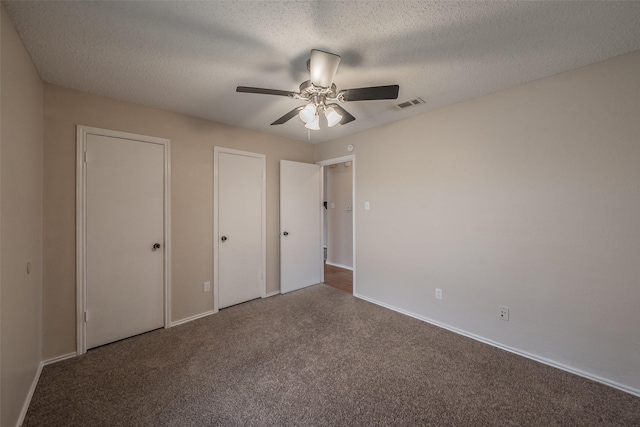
point(315, 94)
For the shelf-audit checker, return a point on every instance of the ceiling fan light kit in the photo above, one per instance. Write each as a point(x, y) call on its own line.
point(310, 115)
point(321, 94)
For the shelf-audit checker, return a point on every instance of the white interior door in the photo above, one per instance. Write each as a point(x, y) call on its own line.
point(300, 225)
point(124, 220)
point(240, 226)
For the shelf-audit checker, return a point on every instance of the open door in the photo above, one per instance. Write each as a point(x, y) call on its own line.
point(300, 225)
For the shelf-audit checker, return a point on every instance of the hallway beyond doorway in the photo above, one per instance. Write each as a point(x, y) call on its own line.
point(339, 278)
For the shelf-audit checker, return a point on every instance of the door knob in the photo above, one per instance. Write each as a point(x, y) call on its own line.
point(286, 233)
point(223, 238)
point(155, 247)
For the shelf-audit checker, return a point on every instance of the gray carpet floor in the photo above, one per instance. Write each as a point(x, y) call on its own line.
point(316, 357)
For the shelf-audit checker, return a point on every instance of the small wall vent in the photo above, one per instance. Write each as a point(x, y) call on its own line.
point(407, 104)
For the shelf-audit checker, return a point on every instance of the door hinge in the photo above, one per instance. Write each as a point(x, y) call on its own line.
point(86, 317)
point(85, 157)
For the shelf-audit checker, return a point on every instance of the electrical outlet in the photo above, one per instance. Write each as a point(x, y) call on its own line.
point(504, 313)
point(207, 286)
point(438, 293)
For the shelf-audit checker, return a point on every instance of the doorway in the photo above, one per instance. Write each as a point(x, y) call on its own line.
point(123, 235)
point(339, 222)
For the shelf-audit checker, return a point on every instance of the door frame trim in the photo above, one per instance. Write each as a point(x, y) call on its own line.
point(350, 158)
point(81, 210)
point(216, 283)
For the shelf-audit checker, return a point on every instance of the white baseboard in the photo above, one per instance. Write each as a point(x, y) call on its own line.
point(534, 357)
point(271, 294)
point(32, 389)
point(34, 383)
point(190, 318)
point(339, 265)
point(59, 358)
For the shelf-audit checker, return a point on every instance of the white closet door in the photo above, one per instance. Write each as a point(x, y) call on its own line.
point(124, 220)
point(240, 222)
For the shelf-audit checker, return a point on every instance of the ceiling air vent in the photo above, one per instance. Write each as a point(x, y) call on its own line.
point(407, 104)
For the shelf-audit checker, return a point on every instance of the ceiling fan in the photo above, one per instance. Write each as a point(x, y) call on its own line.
point(321, 94)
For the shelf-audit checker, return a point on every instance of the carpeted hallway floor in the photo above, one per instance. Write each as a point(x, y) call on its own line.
point(316, 357)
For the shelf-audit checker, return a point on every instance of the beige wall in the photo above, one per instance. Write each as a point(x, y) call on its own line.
point(192, 142)
point(528, 198)
point(339, 220)
point(20, 223)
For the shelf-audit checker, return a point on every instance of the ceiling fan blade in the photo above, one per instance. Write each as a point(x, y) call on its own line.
point(323, 67)
point(346, 117)
point(291, 114)
point(247, 89)
point(370, 93)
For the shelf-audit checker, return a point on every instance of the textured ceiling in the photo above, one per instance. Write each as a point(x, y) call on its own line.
point(189, 57)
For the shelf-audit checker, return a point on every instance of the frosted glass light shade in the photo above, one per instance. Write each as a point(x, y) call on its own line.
point(308, 113)
point(333, 117)
point(313, 124)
